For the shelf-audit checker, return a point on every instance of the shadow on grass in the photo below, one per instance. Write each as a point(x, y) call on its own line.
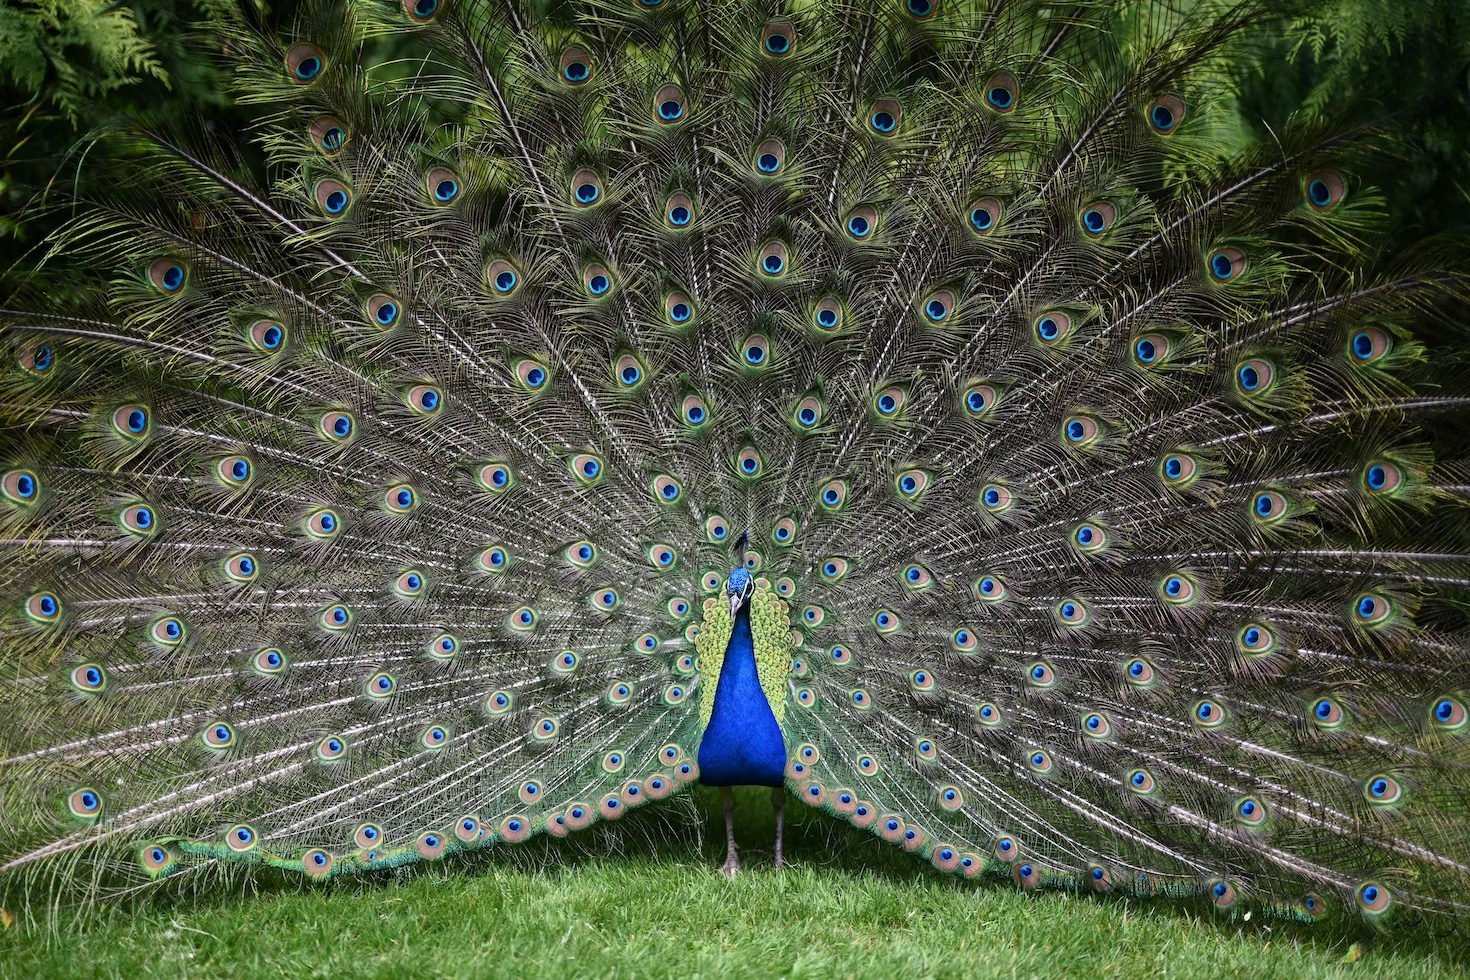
point(687, 832)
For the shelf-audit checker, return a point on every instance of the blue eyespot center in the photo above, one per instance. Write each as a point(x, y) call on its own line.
point(1000, 97)
point(935, 309)
point(576, 71)
point(670, 109)
point(768, 163)
point(1162, 117)
point(883, 121)
point(1318, 192)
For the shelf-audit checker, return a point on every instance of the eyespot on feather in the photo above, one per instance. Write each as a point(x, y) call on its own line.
point(884, 118)
point(332, 197)
point(1097, 219)
point(778, 39)
point(1165, 114)
point(668, 105)
point(575, 66)
point(329, 135)
point(305, 63)
point(1002, 93)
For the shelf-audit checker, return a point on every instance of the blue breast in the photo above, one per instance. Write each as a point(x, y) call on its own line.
point(742, 744)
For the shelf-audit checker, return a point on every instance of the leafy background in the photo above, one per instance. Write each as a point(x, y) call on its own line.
point(68, 67)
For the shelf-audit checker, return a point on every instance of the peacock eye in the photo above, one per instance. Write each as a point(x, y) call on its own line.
point(668, 105)
point(1165, 114)
point(242, 567)
point(679, 212)
point(305, 63)
point(827, 315)
point(861, 223)
point(778, 39)
point(383, 311)
point(773, 260)
point(1150, 350)
point(938, 306)
point(1002, 92)
point(679, 309)
point(586, 189)
point(576, 65)
point(597, 280)
point(1323, 190)
point(1040, 675)
point(1097, 218)
point(332, 197)
point(979, 399)
point(139, 519)
point(995, 498)
point(442, 185)
point(1367, 345)
point(1226, 264)
point(889, 403)
point(401, 498)
point(337, 427)
point(267, 336)
point(769, 157)
point(132, 422)
point(1052, 327)
point(1254, 377)
point(884, 117)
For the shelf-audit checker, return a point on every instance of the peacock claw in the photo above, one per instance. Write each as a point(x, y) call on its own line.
point(731, 867)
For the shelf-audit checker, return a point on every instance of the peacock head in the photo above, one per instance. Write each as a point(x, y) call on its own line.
point(738, 588)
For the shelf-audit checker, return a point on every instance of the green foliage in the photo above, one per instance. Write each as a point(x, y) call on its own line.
point(71, 53)
point(68, 67)
point(1404, 62)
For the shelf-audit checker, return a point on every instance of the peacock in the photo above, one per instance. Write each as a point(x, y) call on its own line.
point(933, 410)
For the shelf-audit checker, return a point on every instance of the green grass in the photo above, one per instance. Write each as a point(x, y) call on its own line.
point(646, 899)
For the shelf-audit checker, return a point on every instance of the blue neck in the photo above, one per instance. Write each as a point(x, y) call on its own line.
point(742, 744)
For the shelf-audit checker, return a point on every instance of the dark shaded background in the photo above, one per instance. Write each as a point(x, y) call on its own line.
point(70, 66)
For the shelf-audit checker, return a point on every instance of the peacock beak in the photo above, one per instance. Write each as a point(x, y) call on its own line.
point(736, 601)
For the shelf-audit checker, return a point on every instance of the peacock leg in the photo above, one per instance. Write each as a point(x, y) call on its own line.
point(732, 859)
point(778, 803)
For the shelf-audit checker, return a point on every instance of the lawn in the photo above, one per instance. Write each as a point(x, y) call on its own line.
point(646, 899)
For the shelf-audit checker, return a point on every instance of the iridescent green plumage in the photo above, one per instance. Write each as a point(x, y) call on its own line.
point(1103, 472)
